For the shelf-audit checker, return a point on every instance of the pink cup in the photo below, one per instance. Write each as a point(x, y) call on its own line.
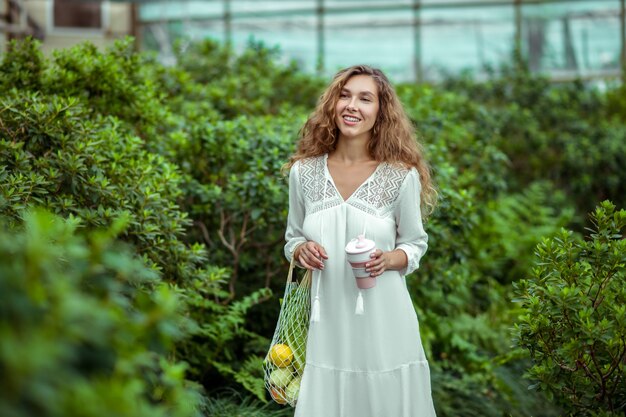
point(358, 254)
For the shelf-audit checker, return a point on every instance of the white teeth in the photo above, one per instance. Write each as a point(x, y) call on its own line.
point(351, 119)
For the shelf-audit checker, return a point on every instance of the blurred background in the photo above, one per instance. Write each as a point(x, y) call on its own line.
point(409, 39)
point(143, 208)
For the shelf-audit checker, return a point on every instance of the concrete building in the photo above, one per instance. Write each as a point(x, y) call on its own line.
point(63, 23)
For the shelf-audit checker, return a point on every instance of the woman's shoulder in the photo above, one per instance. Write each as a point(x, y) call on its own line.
point(396, 171)
point(311, 163)
point(394, 180)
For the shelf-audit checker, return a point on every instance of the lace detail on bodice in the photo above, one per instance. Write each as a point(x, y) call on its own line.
point(312, 177)
point(376, 196)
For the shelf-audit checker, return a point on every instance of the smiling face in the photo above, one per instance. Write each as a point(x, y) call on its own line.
point(357, 108)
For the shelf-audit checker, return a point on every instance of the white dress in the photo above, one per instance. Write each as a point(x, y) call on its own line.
point(369, 365)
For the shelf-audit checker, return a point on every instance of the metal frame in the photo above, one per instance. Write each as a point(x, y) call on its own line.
point(623, 37)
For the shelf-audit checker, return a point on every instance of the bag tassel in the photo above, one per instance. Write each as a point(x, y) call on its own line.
point(359, 310)
point(315, 310)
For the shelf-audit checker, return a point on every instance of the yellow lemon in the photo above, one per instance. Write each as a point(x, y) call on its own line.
point(281, 355)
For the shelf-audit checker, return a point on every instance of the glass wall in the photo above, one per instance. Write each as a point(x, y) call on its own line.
point(407, 38)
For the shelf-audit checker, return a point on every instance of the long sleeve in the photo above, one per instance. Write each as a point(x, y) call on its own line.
point(294, 235)
point(411, 237)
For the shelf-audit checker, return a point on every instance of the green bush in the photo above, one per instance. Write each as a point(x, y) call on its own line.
point(116, 83)
point(616, 98)
point(503, 244)
point(57, 152)
point(85, 327)
point(251, 83)
point(573, 320)
point(571, 133)
point(478, 233)
point(229, 403)
point(551, 139)
point(237, 195)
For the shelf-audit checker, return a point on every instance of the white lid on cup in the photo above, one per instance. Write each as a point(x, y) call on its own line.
point(360, 244)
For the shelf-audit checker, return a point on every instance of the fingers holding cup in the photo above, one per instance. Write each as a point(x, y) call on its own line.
point(378, 264)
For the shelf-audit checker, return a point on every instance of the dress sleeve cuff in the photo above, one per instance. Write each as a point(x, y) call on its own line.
point(412, 261)
point(291, 246)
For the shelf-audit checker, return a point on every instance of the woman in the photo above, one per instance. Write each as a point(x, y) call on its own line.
point(358, 169)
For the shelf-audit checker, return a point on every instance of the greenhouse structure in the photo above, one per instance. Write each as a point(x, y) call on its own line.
point(410, 39)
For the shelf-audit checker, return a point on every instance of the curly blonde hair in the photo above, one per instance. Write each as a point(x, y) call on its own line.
point(393, 136)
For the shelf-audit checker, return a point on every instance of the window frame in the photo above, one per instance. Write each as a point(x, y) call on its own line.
point(105, 16)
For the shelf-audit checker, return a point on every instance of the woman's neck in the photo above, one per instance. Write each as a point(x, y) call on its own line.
point(351, 151)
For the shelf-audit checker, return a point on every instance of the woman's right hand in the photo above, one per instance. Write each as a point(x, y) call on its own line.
point(311, 255)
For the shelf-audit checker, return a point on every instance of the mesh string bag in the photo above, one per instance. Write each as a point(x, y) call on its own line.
point(284, 363)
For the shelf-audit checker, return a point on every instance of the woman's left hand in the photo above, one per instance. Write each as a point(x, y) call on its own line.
point(378, 264)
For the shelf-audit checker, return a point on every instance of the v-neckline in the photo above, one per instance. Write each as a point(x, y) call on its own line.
point(356, 190)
